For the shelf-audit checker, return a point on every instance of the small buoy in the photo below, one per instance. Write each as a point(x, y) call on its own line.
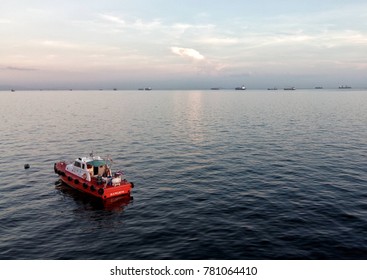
point(26, 166)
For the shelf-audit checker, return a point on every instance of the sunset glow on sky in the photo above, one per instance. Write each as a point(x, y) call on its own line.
point(188, 44)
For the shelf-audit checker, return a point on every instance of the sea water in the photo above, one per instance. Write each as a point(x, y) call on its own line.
point(218, 174)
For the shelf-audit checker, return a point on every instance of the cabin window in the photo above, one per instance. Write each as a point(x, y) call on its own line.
point(83, 166)
point(95, 170)
point(77, 164)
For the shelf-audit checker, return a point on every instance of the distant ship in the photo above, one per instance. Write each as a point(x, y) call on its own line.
point(215, 88)
point(290, 88)
point(274, 88)
point(12, 90)
point(344, 87)
point(147, 88)
point(318, 87)
point(240, 88)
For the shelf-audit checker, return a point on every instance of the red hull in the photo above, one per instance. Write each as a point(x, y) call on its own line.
point(94, 188)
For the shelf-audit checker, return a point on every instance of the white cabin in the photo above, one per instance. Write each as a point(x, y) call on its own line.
point(88, 167)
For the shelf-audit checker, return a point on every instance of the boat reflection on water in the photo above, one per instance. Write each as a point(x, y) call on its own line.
point(116, 204)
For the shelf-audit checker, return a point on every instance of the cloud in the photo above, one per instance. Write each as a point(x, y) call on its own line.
point(131, 23)
point(185, 26)
point(199, 63)
point(113, 19)
point(12, 68)
point(187, 53)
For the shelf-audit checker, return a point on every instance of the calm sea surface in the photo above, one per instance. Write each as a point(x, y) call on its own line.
point(218, 174)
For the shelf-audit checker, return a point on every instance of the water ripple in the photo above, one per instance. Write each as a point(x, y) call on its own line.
point(218, 175)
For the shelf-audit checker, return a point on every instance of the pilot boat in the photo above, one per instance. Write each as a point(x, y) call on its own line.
point(92, 175)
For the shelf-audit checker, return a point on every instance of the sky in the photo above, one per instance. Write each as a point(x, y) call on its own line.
point(165, 44)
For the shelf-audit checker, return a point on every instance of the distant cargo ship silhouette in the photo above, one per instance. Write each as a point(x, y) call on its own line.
point(240, 88)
